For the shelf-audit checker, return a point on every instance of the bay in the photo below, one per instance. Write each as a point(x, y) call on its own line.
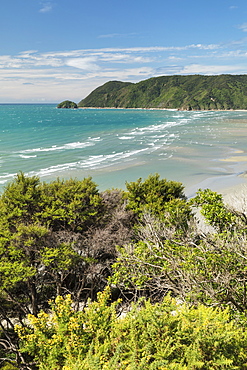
point(199, 148)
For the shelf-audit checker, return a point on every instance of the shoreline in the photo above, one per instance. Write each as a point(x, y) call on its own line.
point(201, 149)
point(168, 109)
point(236, 197)
point(221, 184)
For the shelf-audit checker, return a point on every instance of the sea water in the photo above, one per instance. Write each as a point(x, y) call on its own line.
point(197, 148)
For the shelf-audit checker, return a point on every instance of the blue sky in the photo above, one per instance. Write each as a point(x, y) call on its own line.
point(56, 50)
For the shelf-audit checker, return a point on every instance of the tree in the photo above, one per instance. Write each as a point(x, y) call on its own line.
point(44, 229)
point(207, 268)
point(60, 238)
point(70, 205)
point(40, 240)
point(153, 265)
point(152, 194)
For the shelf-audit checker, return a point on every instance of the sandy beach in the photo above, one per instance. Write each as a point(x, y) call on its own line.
point(236, 197)
point(201, 149)
point(230, 184)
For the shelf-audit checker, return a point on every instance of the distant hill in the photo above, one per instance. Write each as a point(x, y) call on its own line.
point(193, 92)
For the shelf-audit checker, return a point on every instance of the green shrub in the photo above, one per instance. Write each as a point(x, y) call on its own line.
point(166, 336)
point(152, 194)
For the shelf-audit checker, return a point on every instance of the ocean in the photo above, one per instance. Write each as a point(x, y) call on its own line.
point(201, 149)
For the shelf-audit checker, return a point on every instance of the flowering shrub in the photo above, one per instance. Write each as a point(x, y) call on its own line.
point(163, 336)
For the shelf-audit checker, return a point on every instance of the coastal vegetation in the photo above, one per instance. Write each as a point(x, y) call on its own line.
point(67, 104)
point(192, 92)
point(120, 279)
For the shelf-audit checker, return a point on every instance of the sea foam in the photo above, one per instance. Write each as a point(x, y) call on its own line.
point(121, 145)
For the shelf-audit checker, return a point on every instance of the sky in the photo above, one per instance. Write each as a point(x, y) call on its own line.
point(56, 50)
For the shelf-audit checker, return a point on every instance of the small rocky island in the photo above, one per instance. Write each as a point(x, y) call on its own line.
point(67, 104)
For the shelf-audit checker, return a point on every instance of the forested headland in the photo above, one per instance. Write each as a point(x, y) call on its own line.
point(192, 92)
point(120, 279)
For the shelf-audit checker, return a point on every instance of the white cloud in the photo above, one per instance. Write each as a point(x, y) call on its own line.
point(27, 59)
point(27, 53)
point(87, 64)
point(243, 27)
point(81, 59)
point(123, 58)
point(161, 48)
point(233, 54)
point(213, 69)
point(174, 58)
point(127, 74)
point(74, 73)
point(6, 61)
point(46, 7)
point(145, 49)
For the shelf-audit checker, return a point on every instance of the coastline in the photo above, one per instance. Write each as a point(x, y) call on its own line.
point(169, 109)
point(200, 149)
point(236, 196)
point(225, 185)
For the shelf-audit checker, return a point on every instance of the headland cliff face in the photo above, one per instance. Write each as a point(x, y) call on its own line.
point(193, 92)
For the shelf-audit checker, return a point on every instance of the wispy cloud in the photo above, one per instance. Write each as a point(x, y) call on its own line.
point(81, 59)
point(130, 51)
point(114, 59)
point(74, 73)
point(163, 48)
point(243, 27)
point(213, 69)
point(86, 64)
point(46, 7)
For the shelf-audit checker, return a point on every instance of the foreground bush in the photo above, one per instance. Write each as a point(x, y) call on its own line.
point(164, 336)
point(55, 239)
point(174, 255)
point(60, 238)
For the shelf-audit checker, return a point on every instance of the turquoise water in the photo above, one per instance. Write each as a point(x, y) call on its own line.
point(200, 149)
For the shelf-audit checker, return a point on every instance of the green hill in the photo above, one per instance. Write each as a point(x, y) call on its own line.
point(193, 92)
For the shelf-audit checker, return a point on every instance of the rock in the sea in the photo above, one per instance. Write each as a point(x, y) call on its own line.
point(67, 104)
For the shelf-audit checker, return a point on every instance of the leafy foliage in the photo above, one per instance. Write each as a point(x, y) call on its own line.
point(152, 194)
point(195, 92)
point(208, 268)
point(67, 238)
point(72, 205)
point(33, 215)
point(105, 95)
point(167, 335)
point(218, 214)
point(50, 244)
